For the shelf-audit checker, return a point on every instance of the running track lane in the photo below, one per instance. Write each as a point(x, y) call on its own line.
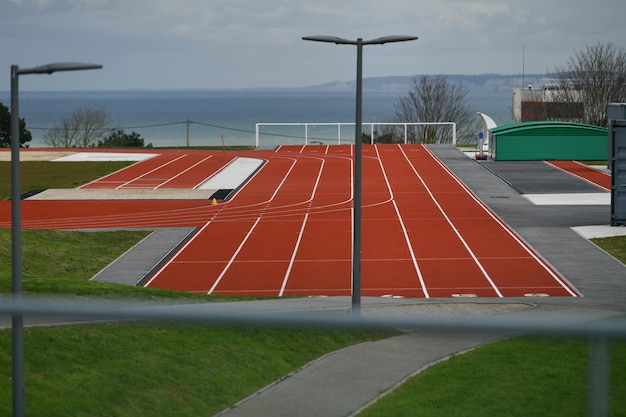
point(599, 178)
point(424, 235)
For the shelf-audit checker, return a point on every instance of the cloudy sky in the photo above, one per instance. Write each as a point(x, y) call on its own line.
point(162, 44)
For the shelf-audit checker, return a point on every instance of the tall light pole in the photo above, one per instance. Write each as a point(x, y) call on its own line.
point(356, 218)
point(17, 320)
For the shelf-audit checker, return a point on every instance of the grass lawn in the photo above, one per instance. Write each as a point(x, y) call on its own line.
point(517, 377)
point(45, 174)
point(155, 370)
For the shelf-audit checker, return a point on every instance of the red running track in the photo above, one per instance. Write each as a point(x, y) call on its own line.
point(599, 178)
point(288, 230)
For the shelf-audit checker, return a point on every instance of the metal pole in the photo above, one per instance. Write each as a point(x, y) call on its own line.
point(599, 381)
point(356, 226)
point(17, 320)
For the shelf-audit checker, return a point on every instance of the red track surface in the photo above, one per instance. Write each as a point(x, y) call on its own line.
point(585, 172)
point(288, 231)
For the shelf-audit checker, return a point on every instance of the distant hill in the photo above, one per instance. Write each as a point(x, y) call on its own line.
point(480, 82)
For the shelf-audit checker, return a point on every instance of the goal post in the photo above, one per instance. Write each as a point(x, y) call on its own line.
point(343, 133)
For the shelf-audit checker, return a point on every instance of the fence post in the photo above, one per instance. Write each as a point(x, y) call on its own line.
point(598, 377)
point(454, 133)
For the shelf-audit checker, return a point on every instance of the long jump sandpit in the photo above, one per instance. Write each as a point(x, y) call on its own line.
point(123, 194)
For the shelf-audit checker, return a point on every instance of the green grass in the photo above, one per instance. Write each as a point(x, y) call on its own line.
point(155, 370)
point(36, 175)
point(517, 377)
point(616, 246)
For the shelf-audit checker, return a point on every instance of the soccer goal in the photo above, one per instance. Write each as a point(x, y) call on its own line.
point(275, 134)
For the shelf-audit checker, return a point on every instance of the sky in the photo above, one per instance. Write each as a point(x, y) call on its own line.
point(207, 44)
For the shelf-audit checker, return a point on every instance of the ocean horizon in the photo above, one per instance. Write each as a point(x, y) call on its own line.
point(227, 117)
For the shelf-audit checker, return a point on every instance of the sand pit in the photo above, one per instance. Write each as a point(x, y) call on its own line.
point(123, 194)
point(26, 155)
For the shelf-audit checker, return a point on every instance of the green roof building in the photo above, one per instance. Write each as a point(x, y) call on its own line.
point(548, 140)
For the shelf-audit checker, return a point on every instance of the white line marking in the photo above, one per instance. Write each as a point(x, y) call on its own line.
point(407, 239)
point(182, 172)
point(580, 177)
point(293, 256)
point(505, 227)
point(410, 246)
point(176, 255)
point(151, 171)
point(304, 222)
point(232, 259)
point(456, 231)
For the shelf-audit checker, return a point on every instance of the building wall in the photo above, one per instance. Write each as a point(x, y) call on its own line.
point(546, 141)
point(531, 105)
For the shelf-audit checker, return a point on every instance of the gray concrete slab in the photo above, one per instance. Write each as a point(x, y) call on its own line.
point(537, 177)
point(143, 258)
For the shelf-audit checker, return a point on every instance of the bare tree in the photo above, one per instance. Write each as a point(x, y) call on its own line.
point(592, 79)
point(82, 129)
point(433, 99)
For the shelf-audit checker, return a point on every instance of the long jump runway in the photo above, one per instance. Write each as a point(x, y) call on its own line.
point(287, 230)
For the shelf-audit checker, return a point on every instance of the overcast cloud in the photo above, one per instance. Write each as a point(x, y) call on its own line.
point(155, 44)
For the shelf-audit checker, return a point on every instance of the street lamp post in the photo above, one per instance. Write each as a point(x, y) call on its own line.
point(17, 322)
point(356, 218)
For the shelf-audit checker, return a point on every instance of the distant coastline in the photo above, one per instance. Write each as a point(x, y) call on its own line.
point(387, 84)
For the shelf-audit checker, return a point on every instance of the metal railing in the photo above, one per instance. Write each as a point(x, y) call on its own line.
point(598, 332)
point(372, 130)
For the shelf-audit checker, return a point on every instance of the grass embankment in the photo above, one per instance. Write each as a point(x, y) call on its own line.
point(162, 370)
point(35, 175)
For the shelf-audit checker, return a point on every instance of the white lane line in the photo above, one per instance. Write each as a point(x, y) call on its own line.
point(407, 239)
point(151, 171)
point(580, 177)
point(541, 262)
point(182, 172)
point(176, 255)
point(409, 245)
point(232, 259)
point(293, 256)
point(456, 231)
point(304, 222)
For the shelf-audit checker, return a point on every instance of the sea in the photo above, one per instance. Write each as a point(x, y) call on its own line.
point(229, 118)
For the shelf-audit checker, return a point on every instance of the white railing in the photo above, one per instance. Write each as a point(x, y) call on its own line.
point(371, 125)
